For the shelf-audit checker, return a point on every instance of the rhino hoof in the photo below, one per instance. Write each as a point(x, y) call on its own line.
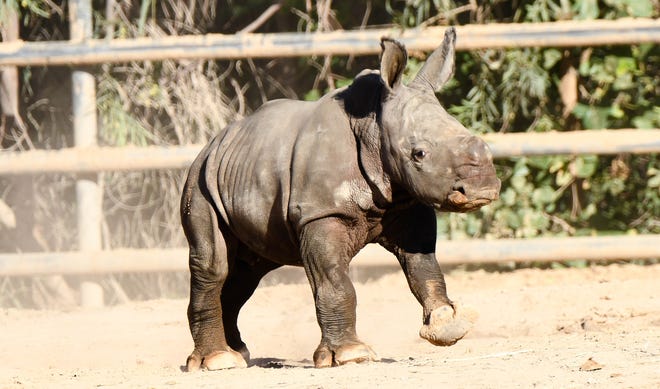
point(352, 353)
point(217, 360)
point(355, 353)
point(447, 326)
point(223, 360)
point(193, 363)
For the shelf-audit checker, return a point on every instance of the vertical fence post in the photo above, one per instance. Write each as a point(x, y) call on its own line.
point(9, 74)
point(88, 192)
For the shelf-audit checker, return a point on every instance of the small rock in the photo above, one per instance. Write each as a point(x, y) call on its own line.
point(590, 365)
point(589, 324)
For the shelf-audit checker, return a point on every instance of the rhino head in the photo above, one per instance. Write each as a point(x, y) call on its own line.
point(423, 149)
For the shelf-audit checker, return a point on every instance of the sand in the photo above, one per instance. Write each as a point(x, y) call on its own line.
point(594, 327)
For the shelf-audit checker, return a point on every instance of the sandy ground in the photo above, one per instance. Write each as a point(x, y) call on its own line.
point(537, 328)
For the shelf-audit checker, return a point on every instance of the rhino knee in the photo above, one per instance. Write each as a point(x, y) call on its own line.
point(206, 268)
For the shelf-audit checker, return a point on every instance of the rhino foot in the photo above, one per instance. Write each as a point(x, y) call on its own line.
point(324, 356)
point(216, 360)
point(447, 326)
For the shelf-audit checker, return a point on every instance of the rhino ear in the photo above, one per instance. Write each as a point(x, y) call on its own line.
point(439, 67)
point(393, 60)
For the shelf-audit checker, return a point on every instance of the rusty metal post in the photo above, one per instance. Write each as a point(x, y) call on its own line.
point(88, 192)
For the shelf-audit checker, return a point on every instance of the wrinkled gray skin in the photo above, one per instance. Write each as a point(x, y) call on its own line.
point(310, 184)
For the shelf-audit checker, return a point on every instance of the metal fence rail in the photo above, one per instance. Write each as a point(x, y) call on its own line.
point(358, 42)
point(607, 248)
point(97, 159)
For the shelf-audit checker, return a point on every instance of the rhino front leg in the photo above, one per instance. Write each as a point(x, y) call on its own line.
point(444, 322)
point(411, 234)
point(326, 252)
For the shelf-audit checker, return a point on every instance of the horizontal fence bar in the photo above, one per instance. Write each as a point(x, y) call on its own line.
point(87, 160)
point(574, 142)
point(99, 262)
point(605, 248)
point(597, 248)
point(97, 159)
point(342, 42)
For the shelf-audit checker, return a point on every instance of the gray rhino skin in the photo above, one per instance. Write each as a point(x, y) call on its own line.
point(311, 183)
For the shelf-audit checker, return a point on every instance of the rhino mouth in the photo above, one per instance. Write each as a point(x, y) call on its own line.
point(457, 201)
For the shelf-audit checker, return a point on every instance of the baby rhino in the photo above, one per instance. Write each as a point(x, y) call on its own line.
point(311, 183)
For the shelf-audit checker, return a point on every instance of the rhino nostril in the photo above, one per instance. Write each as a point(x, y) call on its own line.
point(459, 188)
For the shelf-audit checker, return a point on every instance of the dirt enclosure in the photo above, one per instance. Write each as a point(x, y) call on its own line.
point(597, 327)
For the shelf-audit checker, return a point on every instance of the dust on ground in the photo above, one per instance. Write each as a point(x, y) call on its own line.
point(593, 327)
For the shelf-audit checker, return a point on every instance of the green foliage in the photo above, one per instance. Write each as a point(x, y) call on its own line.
point(29, 9)
point(620, 88)
point(635, 8)
point(520, 90)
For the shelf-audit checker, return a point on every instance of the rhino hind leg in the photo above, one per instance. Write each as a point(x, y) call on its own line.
point(243, 278)
point(211, 249)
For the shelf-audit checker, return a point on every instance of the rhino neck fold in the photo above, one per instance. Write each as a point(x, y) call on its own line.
point(362, 102)
point(367, 135)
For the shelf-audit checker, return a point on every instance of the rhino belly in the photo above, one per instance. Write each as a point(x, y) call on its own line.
point(258, 219)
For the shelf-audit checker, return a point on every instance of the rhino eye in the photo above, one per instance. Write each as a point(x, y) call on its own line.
point(419, 154)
